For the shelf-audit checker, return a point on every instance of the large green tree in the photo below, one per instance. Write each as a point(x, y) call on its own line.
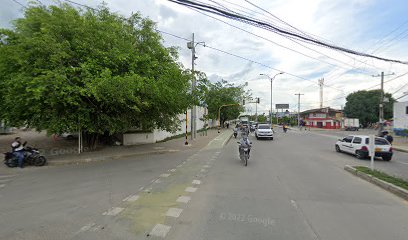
point(364, 105)
point(214, 95)
point(64, 69)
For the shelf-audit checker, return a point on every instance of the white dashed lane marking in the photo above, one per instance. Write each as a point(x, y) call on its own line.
point(131, 198)
point(183, 199)
point(86, 227)
point(113, 211)
point(196, 182)
point(164, 175)
point(2, 185)
point(172, 170)
point(160, 230)
point(190, 189)
point(5, 180)
point(174, 212)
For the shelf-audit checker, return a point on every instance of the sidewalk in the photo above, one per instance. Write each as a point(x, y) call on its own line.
point(117, 152)
point(400, 144)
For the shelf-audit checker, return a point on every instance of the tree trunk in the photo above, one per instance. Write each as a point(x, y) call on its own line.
point(90, 140)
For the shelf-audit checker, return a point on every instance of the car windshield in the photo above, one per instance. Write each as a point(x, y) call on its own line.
point(139, 108)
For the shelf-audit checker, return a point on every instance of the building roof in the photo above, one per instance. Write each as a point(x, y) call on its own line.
point(322, 110)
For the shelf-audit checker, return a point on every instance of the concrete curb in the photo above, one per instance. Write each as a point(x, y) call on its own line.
point(101, 159)
point(400, 192)
point(229, 139)
point(400, 149)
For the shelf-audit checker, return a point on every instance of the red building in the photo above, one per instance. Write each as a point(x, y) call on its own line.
point(327, 118)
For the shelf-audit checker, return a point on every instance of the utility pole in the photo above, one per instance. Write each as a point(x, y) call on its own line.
point(192, 45)
point(193, 85)
point(256, 109)
point(321, 84)
point(381, 106)
point(299, 94)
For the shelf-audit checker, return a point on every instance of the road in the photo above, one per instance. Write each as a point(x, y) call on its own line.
point(293, 188)
point(397, 167)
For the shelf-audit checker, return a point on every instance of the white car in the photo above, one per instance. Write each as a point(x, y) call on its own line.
point(70, 136)
point(359, 144)
point(264, 131)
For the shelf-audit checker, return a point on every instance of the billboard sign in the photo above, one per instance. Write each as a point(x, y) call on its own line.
point(282, 106)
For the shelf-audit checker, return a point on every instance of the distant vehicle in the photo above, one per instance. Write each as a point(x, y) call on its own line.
point(358, 146)
point(264, 131)
point(69, 136)
point(351, 124)
point(244, 120)
point(252, 126)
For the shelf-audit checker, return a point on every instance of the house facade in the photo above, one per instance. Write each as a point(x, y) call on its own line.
point(327, 118)
point(400, 118)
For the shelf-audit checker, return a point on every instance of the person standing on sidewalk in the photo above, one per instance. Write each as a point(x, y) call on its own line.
point(387, 136)
point(18, 150)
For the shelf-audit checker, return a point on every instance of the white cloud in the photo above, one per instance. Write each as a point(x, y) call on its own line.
point(357, 24)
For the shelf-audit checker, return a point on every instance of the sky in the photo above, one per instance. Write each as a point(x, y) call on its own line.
point(378, 27)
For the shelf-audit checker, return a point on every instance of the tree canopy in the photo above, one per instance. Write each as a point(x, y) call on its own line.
point(364, 105)
point(221, 93)
point(62, 68)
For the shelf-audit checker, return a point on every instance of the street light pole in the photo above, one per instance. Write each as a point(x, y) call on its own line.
point(192, 45)
point(271, 78)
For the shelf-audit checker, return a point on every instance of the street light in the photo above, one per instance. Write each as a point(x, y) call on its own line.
point(271, 78)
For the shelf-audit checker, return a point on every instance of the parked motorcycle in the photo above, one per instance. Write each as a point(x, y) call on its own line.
point(31, 157)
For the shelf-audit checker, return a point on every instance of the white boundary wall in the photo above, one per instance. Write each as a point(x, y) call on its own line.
point(158, 135)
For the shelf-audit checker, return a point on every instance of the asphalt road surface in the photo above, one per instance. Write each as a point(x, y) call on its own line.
point(397, 167)
point(294, 187)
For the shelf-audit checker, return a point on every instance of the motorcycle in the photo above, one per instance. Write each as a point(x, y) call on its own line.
point(285, 129)
point(244, 152)
point(31, 157)
point(235, 133)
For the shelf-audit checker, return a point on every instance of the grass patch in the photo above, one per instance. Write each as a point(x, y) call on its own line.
point(385, 177)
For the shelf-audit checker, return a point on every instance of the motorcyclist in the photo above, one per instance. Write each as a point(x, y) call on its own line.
point(244, 143)
point(236, 131)
point(18, 150)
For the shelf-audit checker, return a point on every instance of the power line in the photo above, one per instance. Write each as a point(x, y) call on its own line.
point(278, 44)
point(303, 32)
point(273, 28)
point(19, 3)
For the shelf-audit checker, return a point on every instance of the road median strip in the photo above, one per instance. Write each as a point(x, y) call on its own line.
point(392, 184)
